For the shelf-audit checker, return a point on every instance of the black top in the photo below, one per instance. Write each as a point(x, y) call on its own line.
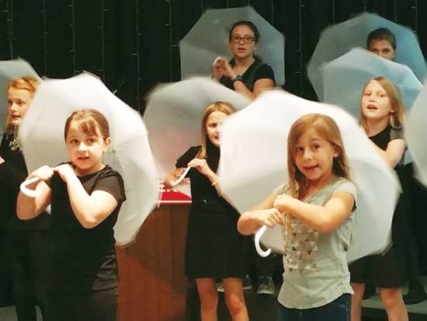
point(214, 248)
point(385, 136)
point(258, 70)
point(84, 260)
point(12, 173)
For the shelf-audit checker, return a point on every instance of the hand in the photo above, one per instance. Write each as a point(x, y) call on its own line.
point(65, 171)
point(221, 67)
point(201, 165)
point(270, 217)
point(1, 160)
point(43, 173)
point(281, 201)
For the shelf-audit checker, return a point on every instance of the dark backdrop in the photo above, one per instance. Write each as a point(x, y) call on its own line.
point(133, 44)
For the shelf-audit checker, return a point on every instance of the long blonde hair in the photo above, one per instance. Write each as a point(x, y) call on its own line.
point(326, 127)
point(220, 106)
point(25, 83)
point(397, 118)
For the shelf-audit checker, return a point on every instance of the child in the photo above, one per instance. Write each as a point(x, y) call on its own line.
point(382, 115)
point(85, 197)
point(316, 209)
point(382, 42)
point(245, 73)
point(214, 248)
point(23, 243)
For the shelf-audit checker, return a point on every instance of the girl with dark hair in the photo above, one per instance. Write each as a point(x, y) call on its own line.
point(245, 73)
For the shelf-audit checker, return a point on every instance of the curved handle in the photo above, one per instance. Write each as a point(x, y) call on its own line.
point(29, 192)
point(258, 236)
point(179, 180)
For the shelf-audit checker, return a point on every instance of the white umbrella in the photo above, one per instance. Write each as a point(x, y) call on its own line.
point(174, 114)
point(336, 40)
point(345, 77)
point(41, 134)
point(254, 162)
point(208, 39)
point(9, 70)
point(415, 127)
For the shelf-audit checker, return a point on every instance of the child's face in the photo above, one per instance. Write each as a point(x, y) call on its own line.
point(375, 102)
point(85, 150)
point(239, 47)
point(213, 126)
point(18, 101)
point(382, 48)
point(314, 157)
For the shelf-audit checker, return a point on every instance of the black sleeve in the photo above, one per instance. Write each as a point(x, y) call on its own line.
point(187, 157)
point(11, 176)
point(263, 72)
point(112, 182)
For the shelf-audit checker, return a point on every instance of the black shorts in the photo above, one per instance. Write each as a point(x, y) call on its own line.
point(381, 270)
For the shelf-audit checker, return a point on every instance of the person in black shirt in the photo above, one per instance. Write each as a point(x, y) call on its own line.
point(382, 116)
point(245, 73)
point(22, 243)
point(214, 248)
point(85, 197)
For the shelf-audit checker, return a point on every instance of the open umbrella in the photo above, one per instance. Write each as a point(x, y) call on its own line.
point(173, 116)
point(41, 134)
point(208, 39)
point(345, 77)
point(9, 70)
point(340, 38)
point(415, 127)
point(254, 162)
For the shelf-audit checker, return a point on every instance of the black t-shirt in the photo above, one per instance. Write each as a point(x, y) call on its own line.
point(258, 70)
point(12, 173)
point(385, 136)
point(83, 260)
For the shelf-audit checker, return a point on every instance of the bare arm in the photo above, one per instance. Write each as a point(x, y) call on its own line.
point(394, 152)
point(262, 214)
point(89, 209)
point(27, 207)
point(259, 86)
point(323, 219)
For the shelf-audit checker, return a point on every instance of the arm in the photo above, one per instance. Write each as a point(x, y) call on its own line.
point(262, 214)
point(394, 152)
point(323, 219)
point(173, 176)
point(259, 86)
point(28, 208)
point(90, 210)
point(202, 166)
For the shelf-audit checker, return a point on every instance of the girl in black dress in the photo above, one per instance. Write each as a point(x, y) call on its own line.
point(214, 248)
point(85, 197)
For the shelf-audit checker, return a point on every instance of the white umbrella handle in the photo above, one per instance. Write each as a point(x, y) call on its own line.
point(258, 236)
point(29, 192)
point(179, 180)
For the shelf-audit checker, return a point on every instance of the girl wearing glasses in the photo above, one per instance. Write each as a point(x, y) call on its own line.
point(245, 73)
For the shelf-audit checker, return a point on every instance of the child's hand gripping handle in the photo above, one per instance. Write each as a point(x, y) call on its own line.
point(180, 179)
point(258, 248)
point(29, 192)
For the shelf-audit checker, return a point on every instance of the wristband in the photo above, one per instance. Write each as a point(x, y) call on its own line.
point(237, 78)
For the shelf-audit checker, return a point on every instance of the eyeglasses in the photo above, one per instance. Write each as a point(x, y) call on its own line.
point(246, 39)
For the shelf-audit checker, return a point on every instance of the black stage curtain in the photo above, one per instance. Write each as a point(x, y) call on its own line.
point(133, 44)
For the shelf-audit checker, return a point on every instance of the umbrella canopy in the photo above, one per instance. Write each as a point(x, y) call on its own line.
point(173, 116)
point(345, 77)
point(254, 162)
point(208, 39)
point(415, 127)
point(42, 137)
point(9, 70)
point(340, 38)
